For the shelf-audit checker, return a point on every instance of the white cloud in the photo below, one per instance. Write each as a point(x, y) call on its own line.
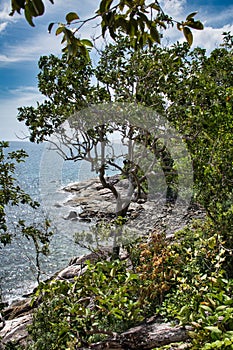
point(210, 38)
point(31, 49)
point(4, 15)
point(174, 8)
point(216, 16)
point(22, 96)
point(3, 26)
point(4, 11)
point(26, 95)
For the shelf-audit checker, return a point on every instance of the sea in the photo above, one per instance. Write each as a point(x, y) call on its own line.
point(43, 175)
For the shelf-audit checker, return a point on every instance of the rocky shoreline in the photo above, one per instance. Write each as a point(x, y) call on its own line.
point(92, 203)
point(152, 333)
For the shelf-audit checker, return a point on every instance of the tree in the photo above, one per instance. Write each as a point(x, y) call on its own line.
point(139, 21)
point(192, 90)
point(69, 89)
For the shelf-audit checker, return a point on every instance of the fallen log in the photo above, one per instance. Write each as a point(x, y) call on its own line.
point(144, 337)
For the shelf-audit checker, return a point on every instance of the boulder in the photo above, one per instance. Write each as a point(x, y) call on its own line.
point(15, 330)
point(72, 215)
point(18, 308)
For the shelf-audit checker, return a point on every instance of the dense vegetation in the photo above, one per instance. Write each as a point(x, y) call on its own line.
point(188, 279)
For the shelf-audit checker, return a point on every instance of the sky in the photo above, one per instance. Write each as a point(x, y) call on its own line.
point(22, 46)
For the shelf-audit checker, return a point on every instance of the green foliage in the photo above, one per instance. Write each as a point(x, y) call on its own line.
point(213, 325)
point(139, 21)
point(32, 8)
point(10, 193)
point(194, 91)
point(101, 301)
point(40, 236)
point(189, 280)
point(67, 87)
point(201, 295)
point(182, 279)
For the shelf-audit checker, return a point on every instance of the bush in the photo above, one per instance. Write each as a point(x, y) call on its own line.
point(101, 301)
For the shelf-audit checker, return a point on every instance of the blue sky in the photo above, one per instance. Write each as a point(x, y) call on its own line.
point(22, 45)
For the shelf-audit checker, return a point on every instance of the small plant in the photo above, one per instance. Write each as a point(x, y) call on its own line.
point(213, 325)
point(158, 268)
point(101, 301)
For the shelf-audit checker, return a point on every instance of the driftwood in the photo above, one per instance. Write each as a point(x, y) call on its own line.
point(144, 337)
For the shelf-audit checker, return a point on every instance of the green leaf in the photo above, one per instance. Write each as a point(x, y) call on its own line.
point(71, 16)
point(104, 6)
point(213, 329)
point(86, 42)
point(154, 6)
point(121, 22)
point(113, 272)
point(155, 34)
point(60, 30)
point(206, 308)
point(18, 4)
point(221, 307)
point(104, 28)
point(133, 27)
point(50, 27)
point(188, 35)
point(227, 341)
point(195, 25)
point(28, 16)
point(38, 7)
point(191, 15)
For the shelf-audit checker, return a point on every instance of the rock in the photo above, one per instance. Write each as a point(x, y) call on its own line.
point(57, 205)
point(77, 265)
point(88, 214)
point(15, 330)
point(72, 215)
point(21, 307)
point(98, 204)
point(2, 322)
point(71, 271)
point(85, 220)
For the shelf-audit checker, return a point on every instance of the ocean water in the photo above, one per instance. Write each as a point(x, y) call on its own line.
point(42, 175)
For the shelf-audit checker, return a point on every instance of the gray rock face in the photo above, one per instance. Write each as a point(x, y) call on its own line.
point(97, 204)
point(72, 215)
point(15, 330)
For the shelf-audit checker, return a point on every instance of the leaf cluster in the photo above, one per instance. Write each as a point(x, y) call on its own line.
point(10, 193)
point(139, 21)
point(180, 280)
point(101, 301)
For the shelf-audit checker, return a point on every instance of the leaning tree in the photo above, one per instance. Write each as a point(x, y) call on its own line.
point(93, 115)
